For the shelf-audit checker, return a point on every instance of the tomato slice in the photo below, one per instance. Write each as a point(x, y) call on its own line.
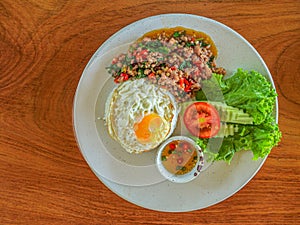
point(202, 120)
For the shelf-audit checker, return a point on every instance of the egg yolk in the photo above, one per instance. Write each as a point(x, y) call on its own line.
point(147, 129)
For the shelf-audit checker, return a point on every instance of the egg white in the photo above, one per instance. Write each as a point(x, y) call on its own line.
point(129, 103)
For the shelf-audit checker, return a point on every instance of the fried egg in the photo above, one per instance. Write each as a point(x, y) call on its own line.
point(140, 115)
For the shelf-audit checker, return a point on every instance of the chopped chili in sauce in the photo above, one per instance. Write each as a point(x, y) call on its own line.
point(179, 157)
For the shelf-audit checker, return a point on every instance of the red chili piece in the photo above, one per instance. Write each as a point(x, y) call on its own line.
point(172, 146)
point(122, 77)
point(151, 75)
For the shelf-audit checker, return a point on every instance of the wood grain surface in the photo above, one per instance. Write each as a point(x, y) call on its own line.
point(44, 47)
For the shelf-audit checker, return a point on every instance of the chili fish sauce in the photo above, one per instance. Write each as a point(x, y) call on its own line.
point(179, 157)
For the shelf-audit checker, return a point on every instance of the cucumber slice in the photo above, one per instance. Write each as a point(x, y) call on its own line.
point(227, 113)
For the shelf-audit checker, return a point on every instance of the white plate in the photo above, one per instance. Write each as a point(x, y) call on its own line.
point(135, 177)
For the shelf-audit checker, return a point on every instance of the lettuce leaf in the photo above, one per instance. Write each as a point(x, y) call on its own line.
point(249, 91)
point(260, 139)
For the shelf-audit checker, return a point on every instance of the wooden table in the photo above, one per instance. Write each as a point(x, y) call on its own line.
point(44, 47)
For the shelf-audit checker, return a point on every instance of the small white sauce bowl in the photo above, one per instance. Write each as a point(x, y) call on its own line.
point(184, 178)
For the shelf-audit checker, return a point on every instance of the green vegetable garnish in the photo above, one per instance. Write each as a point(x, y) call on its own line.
point(253, 129)
point(140, 73)
point(176, 34)
point(260, 139)
point(245, 90)
point(204, 44)
point(157, 46)
point(189, 44)
point(185, 64)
